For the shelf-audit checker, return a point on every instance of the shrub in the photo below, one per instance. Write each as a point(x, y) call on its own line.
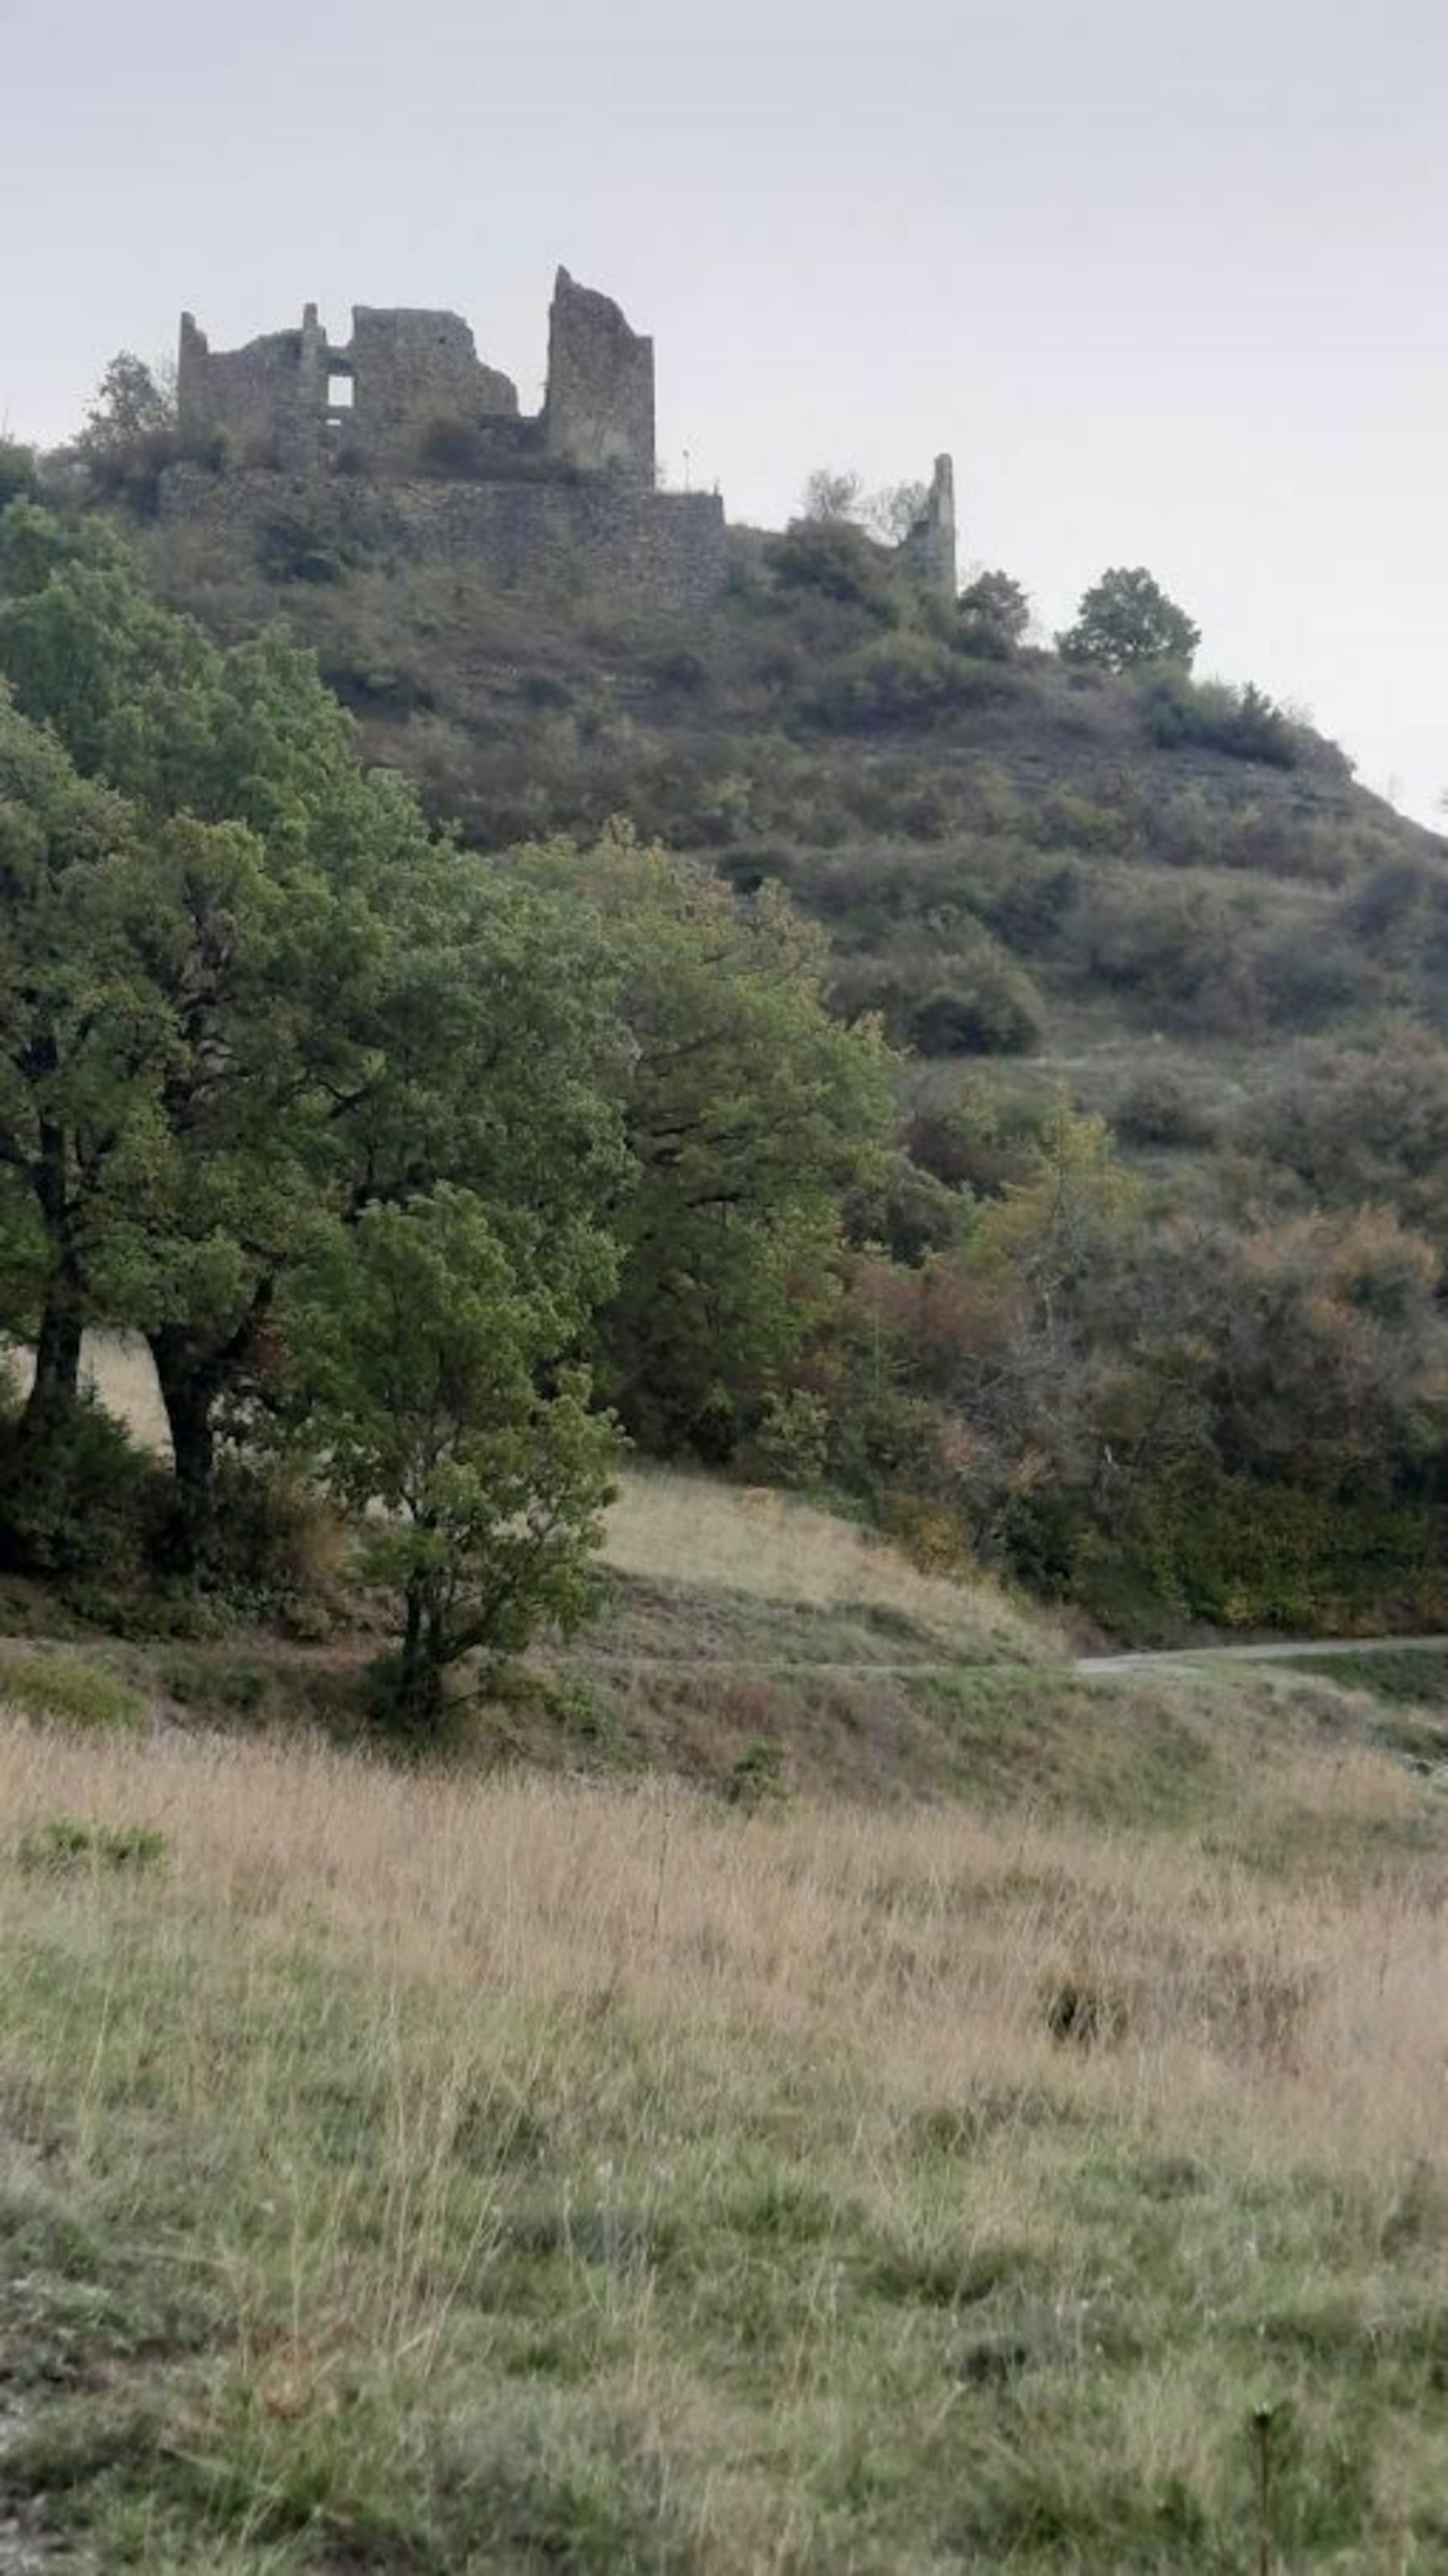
point(18, 477)
point(758, 1777)
point(1304, 982)
point(840, 562)
point(901, 679)
point(791, 1445)
point(290, 547)
point(992, 615)
point(85, 1505)
point(1209, 716)
point(975, 1000)
point(1157, 1109)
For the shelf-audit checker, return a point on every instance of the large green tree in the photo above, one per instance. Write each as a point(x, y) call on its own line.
point(750, 1110)
point(352, 1009)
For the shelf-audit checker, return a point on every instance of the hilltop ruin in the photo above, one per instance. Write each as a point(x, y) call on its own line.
point(402, 434)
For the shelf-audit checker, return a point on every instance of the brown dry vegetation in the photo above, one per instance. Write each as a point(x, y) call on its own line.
point(425, 2174)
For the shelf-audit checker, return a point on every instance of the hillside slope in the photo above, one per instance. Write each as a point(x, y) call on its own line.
point(1013, 855)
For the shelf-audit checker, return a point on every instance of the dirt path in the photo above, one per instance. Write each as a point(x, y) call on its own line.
point(1279, 1651)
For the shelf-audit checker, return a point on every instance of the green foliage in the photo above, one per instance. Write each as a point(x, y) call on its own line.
point(130, 435)
point(1157, 1109)
point(293, 547)
point(81, 1504)
point(1244, 723)
point(1126, 620)
point(839, 562)
point(749, 1112)
point(430, 1379)
point(65, 1843)
point(758, 1777)
point(70, 1692)
point(899, 680)
point(18, 472)
point(992, 616)
point(969, 999)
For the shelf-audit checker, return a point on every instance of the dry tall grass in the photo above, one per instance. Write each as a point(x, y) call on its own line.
point(677, 1527)
point(816, 2190)
point(917, 1947)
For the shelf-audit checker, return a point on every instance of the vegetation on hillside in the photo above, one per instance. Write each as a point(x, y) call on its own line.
point(1149, 1324)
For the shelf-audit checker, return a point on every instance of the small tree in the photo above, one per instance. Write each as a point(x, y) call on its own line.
point(429, 1373)
point(892, 512)
point(130, 435)
point(1125, 620)
point(994, 613)
point(132, 403)
point(831, 496)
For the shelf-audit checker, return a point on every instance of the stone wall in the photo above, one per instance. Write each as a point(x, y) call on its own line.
point(600, 407)
point(412, 371)
point(262, 401)
point(293, 398)
point(928, 552)
point(663, 550)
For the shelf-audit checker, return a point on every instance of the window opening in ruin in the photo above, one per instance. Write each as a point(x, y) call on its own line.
point(341, 393)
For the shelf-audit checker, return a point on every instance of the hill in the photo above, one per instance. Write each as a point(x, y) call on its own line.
point(1028, 1068)
point(1159, 901)
point(1013, 854)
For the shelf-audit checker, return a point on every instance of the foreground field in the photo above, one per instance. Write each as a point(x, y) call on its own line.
point(424, 2174)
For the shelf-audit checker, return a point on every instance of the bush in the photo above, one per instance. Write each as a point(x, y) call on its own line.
point(902, 679)
point(290, 547)
point(1304, 982)
point(974, 1001)
point(1159, 1110)
point(83, 1506)
point(992, 615)
point(18, 476)
point(841, 563)
point(1209, 716)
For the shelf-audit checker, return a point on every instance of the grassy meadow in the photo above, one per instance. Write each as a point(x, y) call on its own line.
point(814, 2082)
point(442, 2173)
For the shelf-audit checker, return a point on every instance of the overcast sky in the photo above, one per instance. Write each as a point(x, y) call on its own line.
point(1166, 277)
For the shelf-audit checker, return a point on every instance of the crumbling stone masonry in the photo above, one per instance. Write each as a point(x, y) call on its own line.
point(404, 428)
point(402, 437)
point(929, 547)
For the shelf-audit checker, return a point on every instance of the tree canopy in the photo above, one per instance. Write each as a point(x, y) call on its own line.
point(1125, 621)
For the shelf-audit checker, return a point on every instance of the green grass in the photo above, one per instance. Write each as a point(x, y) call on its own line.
point(70, 1689)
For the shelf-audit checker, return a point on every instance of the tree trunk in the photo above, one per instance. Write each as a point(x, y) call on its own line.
point(189, 1381)
point(56, 1384)
point(55, 1388)
point(419, 1676)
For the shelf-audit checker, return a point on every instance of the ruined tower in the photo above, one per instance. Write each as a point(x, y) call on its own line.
point(929, 547)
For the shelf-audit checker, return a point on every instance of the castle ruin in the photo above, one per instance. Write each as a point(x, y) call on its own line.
point(403, 436)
